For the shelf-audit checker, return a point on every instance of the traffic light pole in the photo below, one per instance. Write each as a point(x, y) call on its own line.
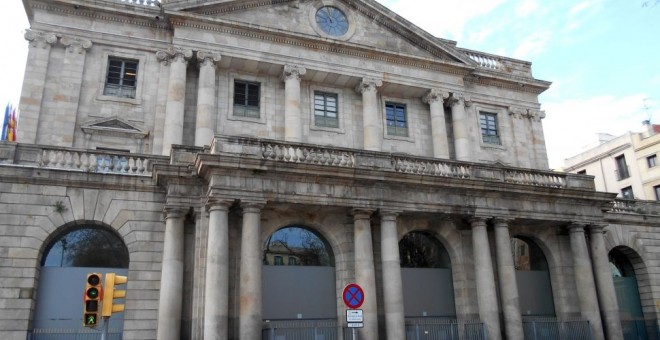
point(104, 332)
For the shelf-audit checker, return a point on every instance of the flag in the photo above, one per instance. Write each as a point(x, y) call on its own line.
point(5, 123)
point(13, 124)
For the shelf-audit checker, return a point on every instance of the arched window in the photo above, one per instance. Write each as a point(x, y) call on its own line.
point(421, 250)
point(629, 301)
point(533, 279)
point(87, 246)
point(297, 246)
point(527, 256)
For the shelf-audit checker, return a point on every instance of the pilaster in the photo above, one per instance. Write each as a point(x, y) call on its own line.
point(177, 59)
point(292, 110)
point(460, 122)
point(206, 99)
point(435, 98)
point(372, 124)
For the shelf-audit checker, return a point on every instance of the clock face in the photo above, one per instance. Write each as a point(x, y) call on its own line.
point(332, 21)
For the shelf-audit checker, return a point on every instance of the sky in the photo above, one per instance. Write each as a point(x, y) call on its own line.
point(602, 57)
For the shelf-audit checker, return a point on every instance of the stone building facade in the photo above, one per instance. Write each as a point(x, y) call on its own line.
point(195, 131)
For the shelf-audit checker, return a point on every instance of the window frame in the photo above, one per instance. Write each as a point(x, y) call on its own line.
point(263, 91)
point(656, 190)
point(652, 161)
point(324, 117)
point(140, 78)
point(342, 108)
point(121, 87)
point(486, 138)
point(245, 106)
point(389, 128)
point(626, 190)
point(622, 170)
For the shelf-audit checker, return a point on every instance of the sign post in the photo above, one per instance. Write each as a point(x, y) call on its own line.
point(353, 297)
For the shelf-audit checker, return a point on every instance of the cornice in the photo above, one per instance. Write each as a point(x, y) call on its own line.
point(526, 85)
point(102, 13)
point(235, 28)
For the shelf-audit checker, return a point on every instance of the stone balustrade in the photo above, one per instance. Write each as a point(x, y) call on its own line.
point(629, 206)
point(296, 153)
point(152, 3)
point(70, 159)
point(484, 60)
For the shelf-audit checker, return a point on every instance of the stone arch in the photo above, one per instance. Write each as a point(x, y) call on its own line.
point(534, 273)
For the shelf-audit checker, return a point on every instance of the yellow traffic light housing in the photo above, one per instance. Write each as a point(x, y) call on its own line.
point(92, 299)
point(109, 307)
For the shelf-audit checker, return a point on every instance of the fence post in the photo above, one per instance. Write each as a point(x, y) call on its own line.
point(534, 328)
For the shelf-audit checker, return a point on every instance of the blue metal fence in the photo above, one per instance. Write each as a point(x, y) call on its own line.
point(300, 330)
point(553, 329)
point(444, 328)
point(71, 334)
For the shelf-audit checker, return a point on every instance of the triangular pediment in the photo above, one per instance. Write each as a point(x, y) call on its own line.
point(370, 25)
point(113, 126)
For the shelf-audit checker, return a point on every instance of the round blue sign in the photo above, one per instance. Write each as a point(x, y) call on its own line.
point(353, 296)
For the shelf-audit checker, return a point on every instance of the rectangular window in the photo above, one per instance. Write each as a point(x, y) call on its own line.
point(627, 193)
point(656, 190)
point(397, 120)
point(246, 99)
point(489, 131)
point(621, 167)
point(652, 161)
point(121, 78)
point(293, 261)
point(325, 110)
point(278, 260)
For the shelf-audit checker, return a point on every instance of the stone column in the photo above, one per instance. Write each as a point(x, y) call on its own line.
point(435, 99)
point(485, 279)
point(171, 280)
point(61, 121)
point(609, 306)
point(206, 111)
point(216, 292)
point(34, 83)
point(250, 277)
point(584, 281)
point(176, 95)
point(292, 116)
point(392, 283)
point(372, 124)
point(365, 274)
point(460, 122)
point(508, 285)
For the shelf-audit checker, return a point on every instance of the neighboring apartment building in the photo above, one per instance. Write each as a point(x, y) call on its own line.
point(627, 165)
point(188, 143)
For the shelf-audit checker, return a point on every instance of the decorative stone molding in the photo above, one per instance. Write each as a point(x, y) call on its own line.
point(208, 58)
point(293, 71)
point(369, 85)
point(76, 45)
point(536, 115)
point(521, 112)
point(174, 54)
point(435, 95)
point(517, 112)
point(40, 39)
point(458, 97)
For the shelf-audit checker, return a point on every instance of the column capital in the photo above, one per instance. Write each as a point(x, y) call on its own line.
point(501, 222)
point(174, 211)
point(76, 45)
point(252, 206)
point(517, 112)
point(459, 98)
point(389, 215)
point(213, 204)
point(575, 227)
point(362, 213)
point(477, 221)
point(598, 228)
point(40, 39)
point(293, 72)
point(174, 54)
point(368, 85)
point(435, 95)
point(208, 58)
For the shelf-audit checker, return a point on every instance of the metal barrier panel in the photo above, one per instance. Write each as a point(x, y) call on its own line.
point(443, 328)
point(71, 334)
point(300, 330)
point(634, 329)
point(552, 329)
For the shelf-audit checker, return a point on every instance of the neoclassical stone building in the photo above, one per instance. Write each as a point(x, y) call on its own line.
point(244, 160)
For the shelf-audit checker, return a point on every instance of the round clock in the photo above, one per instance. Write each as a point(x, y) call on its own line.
point(332, 21)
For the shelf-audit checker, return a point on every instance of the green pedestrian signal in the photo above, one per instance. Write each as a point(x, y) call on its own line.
point(91, 299)
point(90, 319)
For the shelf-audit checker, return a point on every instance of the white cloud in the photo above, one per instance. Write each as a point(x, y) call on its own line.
point(572, 125)
point(533, 44)
point(583, 6)
point(446, 19)
point(526, 7)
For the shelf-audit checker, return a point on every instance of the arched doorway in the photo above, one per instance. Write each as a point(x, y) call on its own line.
point(533, 279)
point(428, 288)
point(298, 276)
point(627, 294)
point(67, 259)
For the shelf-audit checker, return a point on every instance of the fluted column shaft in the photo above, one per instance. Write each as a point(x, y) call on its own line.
point(460, 125)
point(176, 96)
point(171, 281)
point(372, 124)
point(206, 112)
point(435, 99)
point(34, 83)
point(292, 111)
point(250, 276)
point(216, 292)
point(584, 281)
point(485, 279)
point(392, 283)
point(508, 284)
point(365, 273)
point(606, 294)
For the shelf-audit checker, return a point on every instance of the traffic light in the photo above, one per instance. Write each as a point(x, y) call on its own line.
point(92, 298)
point(109, 307)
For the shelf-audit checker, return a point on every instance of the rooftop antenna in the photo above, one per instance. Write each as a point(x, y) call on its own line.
point(646, 108)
